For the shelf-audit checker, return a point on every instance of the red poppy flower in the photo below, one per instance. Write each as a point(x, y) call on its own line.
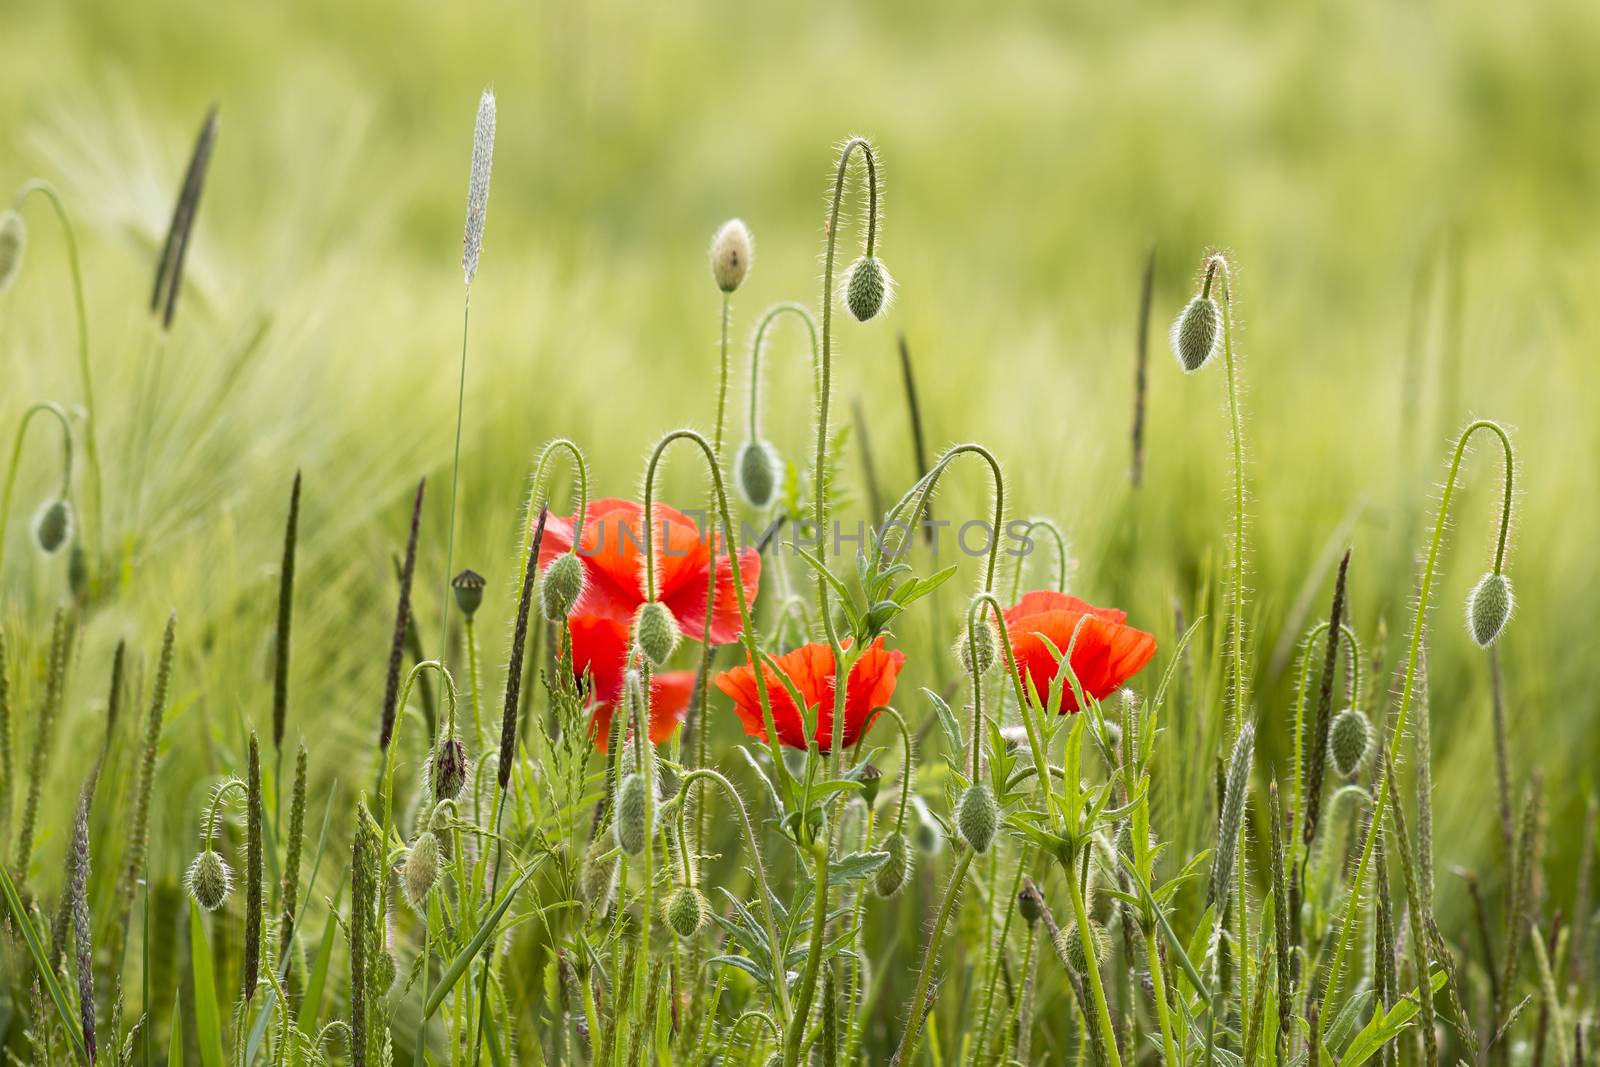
point(1106, 654)
point(811, 669)
point(600, 650)
point(613, 561)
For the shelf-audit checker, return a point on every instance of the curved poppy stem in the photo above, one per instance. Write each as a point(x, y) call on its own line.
point(69, 236)
point(1063, 560)
point(214, 809)
point(908, 1040)
point(538, 493)
point(449, 685)
point(753, 421)
point(54, 409)
point(1035, 745)
point(923, 489)
point(906, 769)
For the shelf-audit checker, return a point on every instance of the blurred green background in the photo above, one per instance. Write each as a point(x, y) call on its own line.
point(1407, 191)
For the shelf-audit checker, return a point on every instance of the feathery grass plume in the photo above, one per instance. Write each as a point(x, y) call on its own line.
point(44, 736)
point(366, 941)
point(1577, 961)
point(519, 642)
point(1140, 364)
point(114, 696)
point(1385, 968)
point(1280, 931)
point(1551, 1006)
point(402, 617)
point(732, 255)
point(169, 270)
point(280, 666)
point(1317, 758)
point(254, 892)
point(478, 185)
point(1231, 822)
point(82, 928)
point(13, 245)
point(1519, 907)
point(1415, 904)
point(7, 759)
point(142, 785)
point(919, 444)
point(290, 888)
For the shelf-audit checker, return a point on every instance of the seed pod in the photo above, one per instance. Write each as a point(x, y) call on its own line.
point(52, 526)
point(1489, 607)
point(655, 632)
point(13, 243)
point(871, 779)
point(561, 587)
point(732, 253)
point(687, 911)
point(1348, 738)
point(468, 586)
point(986, 647)
point(209, 881)
point(1072, 947)
point(978, 817)
point(1195, 333)
point(1028, 906)
point(422, 868)
point(598, 878)
point(633, 814)
point(449, 770)
point(867, 288)
point(894, 874)
point(755, 472)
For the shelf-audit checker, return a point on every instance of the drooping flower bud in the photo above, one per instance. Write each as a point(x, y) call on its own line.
point(561, 587)
point(633, 814)
point(867, 288)
point(655, 632)
point(13, 243)
point(687, 911)
point(1072, 947)
point(755, 472)
point(449, 769)
point(894, 874)
point(985, 647)
point(1348, 737)
point(209, 880)
point(439, 826)
point(732, 253)
point(598, 878)
point(421, 868)
point(978, 817)
point(1489, 607)
point(1195, 333)
point(468, 586)
point(52, 526)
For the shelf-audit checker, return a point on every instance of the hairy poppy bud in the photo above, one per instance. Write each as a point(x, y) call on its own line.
point(755, 472)
point(732, 252)
point(1071, 947)
point(439, 826)
point(978, 816)
point(209, 881)
point(982, 651)
point(687, 911)
point(561, 587)
point(468, 586)
point(1348, 736)
point(13, 242)
point(52, 526)
point(655, 632)
point(1195, 333)
point(897, 871)
point(1489, 607)
point(598, 878)
point(1028, 906)
point(867, 288)
point(422, 868)
point(871, 778)
point(1112, 734)
point(633, 814)
point(449, 769)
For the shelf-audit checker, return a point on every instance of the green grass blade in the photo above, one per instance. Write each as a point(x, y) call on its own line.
point(463, 960)
point(207, 1018)
point(175, 1042)
point(41, 963)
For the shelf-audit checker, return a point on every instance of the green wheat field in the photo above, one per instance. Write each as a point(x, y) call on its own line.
point(906, 533)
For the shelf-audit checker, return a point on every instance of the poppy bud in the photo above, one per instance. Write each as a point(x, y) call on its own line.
point(1029, 906)
point(78, 571)
point(468, 586)
point(449, 769)
point(732, 252)
point(927, 834)
point(978, 817)
point(561, 587)
point(421, 870)
point(867, 288)
point(897, 871)
point(985, 647)
point(1348, 736)
point(52, 526)
point(13, 242)
point(209, 881)
point(1489, 607)
point(655, 632)
point(687, 911)
point(439, 826)
point(598, 878)
point(870, 778)
point(633, 814)
point(1071, 947)
point(1112, 734)
point(1195, 333)
point(755, 472)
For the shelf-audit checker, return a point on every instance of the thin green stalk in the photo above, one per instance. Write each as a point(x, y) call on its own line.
point(455, 478)
point(794, 1031)
point(916, 1013)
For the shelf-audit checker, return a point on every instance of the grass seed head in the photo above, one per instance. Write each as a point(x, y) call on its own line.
point(1489, 607)
point(732, 253)
point(468, 587)
point(561, 587)
point(13, 244)
point(1195, 333)
point(868, 288)
point(655, 632)
point(978, 817)
point(52, 526)
point(478, 185)
point(755, 472)
point(1348, 740)
point(209, 881)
